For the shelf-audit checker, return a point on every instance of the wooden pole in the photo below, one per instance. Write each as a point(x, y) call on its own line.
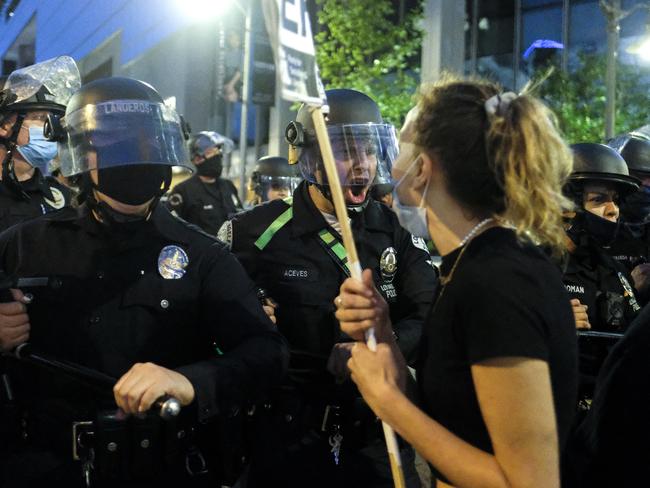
point(354, 265)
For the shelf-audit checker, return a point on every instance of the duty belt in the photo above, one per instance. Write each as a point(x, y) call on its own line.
point(114, 446)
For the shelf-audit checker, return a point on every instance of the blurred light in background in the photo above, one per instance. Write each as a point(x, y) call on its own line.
point(203, 10)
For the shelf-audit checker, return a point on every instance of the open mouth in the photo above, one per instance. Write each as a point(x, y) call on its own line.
point(355, 194)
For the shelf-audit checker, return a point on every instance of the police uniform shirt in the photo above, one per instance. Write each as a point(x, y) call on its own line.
point(505, 299)
point(45, 194)
point(632, 247)
point(165, 293)
point(601, 283)
point(207, 205)
point(301, 272)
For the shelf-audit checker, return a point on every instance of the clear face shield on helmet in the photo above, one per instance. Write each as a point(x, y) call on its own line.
point(32, 94)
point(364, 155)
point(209, 144)
point(58, 76)
point(277, 187)
point(122, 133)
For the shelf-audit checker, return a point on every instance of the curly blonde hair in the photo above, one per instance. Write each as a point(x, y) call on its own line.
point(511, 165)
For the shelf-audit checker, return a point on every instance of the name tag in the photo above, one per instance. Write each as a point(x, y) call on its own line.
point(575, 289)
point(297, 273)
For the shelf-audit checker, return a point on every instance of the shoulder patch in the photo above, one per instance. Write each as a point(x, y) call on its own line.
point(175, 199)
point(419, 243)
point(225, 233)
point(58, 201)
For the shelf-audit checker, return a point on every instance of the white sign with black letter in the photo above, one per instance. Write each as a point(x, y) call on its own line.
point(290, 32)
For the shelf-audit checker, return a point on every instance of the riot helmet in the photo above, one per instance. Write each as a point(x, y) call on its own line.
point(635, 149)
point(364, 146)
point(30, 96)
point(272, 178)
point(207, 149)
point(43, 86)
point(121, 128)
point(598, 163)
point(599, 176)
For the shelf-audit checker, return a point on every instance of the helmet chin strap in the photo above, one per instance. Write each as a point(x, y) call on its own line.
point(8, 169)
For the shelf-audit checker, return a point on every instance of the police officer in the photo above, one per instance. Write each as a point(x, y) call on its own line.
point(320, 433)
point(632, 246)
point(600, 288)
point(131, 293)
point(29, 96)
point(272, 178)
point(206, 199)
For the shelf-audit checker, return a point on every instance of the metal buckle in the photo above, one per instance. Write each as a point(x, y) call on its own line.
point(78, 429)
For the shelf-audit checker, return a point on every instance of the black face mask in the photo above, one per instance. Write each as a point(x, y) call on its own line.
point(116, 219)
point(636, 207)
point(133, 185)
point(601, 230)
point(211, 167)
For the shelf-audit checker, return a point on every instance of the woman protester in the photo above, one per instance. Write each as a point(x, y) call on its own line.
point(481, 172)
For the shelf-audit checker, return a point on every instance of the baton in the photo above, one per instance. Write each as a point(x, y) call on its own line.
point(602, 335)
point(355, 268)
point(166, 406)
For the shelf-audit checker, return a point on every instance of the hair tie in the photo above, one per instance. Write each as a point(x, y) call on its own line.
point(497, 105)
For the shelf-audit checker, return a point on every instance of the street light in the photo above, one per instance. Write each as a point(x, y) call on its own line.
point(641, 49)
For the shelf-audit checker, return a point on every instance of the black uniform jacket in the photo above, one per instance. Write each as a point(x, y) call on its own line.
point(44, 194)
point(603, 284)
point(207, 205)
point(609, 447)
point(296, 270)
point(166, 293)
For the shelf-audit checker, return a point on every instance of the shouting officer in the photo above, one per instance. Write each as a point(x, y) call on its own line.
point(29, 96)
point(272, 178)
point(206, 199)
point(632, 246)
point(600, 288)
point(134, 294)
point(320, 433)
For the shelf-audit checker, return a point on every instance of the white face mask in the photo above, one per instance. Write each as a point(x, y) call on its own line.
point(413, 219)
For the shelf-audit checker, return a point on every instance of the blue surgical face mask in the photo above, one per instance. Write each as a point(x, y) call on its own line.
point(413, 219)
point(38, 151)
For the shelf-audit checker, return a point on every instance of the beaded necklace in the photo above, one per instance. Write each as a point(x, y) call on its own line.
point(464, 243)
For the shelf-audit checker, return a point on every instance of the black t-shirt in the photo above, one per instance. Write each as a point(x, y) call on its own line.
point(505, 299)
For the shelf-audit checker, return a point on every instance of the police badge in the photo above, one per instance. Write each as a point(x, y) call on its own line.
point(172, 262)
point(388, 264)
